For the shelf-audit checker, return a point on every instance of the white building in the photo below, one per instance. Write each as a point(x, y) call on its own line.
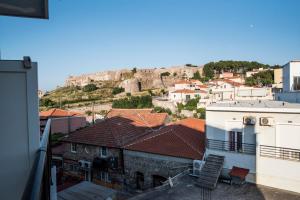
point(184, 95)
point(262, 136)
point(291, 83)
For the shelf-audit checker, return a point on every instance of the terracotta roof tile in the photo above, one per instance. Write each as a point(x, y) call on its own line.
point(118, 129)
point(184, 139)
point(55, 112)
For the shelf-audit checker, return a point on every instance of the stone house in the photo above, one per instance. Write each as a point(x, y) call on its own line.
point(95, 153)
point(164, 153)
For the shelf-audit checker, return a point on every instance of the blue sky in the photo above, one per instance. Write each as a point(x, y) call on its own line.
point(85, 36)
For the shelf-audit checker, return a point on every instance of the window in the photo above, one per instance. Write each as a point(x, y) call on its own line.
point(73, 148)
point(103, 152)
point(104, 176)
point(296, 84)
point(188, 97)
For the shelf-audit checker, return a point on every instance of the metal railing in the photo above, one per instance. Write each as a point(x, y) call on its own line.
point(38, 185)
point(280, 153)
point(231, 146)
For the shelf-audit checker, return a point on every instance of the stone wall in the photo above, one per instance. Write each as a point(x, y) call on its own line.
point(149, 78)
point(88, 153)
point(151, 164)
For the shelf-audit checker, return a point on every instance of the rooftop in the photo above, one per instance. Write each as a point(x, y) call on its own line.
point(185, 188)
point(55, 112)
point(185, 139)
point(119, 128)
point(256, 105)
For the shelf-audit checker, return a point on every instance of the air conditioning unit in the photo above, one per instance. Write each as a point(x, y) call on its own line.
point(197, 167)
point(84, 164)
point(249, 120)
point(81, 163)
point(266, 121)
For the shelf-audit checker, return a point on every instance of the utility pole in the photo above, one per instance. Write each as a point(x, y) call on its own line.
point(60, 102)
point(93, 113)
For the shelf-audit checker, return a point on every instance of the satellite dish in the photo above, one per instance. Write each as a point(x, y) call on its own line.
point(21, 8)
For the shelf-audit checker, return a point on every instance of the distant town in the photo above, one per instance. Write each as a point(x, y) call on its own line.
point(136, 129)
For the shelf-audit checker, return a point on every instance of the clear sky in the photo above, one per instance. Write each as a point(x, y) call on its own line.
point(85, 36)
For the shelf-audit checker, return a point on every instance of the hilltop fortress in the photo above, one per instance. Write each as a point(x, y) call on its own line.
point(142, 79)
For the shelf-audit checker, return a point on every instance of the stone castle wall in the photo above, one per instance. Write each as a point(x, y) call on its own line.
point(149, 78)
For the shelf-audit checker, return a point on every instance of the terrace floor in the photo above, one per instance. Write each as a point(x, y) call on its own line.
point(184, 189)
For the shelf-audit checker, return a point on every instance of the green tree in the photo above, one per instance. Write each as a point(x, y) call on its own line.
point(263, 78)
point(133, 70)
point(89, 88)
point(197, 76)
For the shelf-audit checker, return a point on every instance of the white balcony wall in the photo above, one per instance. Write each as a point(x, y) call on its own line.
point(19, 124)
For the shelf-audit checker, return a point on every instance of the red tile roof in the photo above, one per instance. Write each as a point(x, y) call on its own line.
point(119, 128)
point(183, 82)
point(185, 91)
point(202, 86)
point(185, 139)
point(55, 112)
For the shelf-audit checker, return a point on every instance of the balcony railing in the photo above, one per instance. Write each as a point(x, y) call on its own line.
point(237, 147)
point(38, 185)
point(280, 153)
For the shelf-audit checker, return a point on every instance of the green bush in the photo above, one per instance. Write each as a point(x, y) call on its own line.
point(117, 90)
point(201, 113)
point(47, 102)
point(162, 110)
point(89, 88)
point(191, 104)
point(88, 112)
point(165, 74)
point(133, 102)
point(197, 76)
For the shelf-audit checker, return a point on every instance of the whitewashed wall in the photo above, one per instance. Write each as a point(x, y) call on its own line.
point(271, 172)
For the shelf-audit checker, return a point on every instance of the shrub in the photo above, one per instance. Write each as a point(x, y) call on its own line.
point(201, 113)
point(165, 74)
point(133, 102)
point(47, 102)
point(162, 110)
point(117, 90)
point(89, 88)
